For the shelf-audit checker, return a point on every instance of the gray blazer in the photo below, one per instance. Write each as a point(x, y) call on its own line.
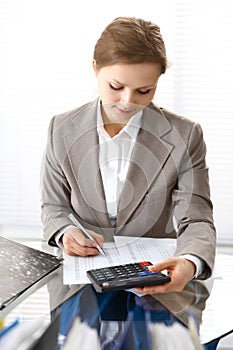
point(166, 193)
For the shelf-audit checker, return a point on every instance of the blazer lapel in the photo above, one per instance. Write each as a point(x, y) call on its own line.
point(149, 155)
point(85, 164)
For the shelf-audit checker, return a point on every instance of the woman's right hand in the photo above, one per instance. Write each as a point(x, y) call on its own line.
point(75, 243)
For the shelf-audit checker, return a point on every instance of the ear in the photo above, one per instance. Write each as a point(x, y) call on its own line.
point(94, 65)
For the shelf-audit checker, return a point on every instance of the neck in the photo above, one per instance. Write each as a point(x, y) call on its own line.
point(113, 128)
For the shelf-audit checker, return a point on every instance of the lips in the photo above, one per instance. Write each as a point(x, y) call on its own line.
point(126, 110)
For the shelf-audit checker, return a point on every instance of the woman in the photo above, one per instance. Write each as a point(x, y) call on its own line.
point(125, 166)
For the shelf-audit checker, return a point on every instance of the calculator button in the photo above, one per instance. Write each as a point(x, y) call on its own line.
point(131, 274)
point(142, 274)
point(110, 278)
point(145, 263)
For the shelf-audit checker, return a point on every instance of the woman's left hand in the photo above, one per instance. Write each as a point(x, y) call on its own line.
point(180, 270)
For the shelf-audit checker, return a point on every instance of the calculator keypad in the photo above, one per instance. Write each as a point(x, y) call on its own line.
point(125, 276)
point(122, 271)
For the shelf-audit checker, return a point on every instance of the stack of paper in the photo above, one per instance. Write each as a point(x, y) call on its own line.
point(23, 334)
point(81, 337)
point(124, 250)
point(173, 337)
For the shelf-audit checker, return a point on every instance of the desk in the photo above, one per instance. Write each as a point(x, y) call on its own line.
point(211, 302)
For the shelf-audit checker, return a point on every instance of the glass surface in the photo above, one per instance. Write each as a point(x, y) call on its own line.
point(125, 315)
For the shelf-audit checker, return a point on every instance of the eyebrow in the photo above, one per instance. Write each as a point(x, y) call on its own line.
point(138, 88)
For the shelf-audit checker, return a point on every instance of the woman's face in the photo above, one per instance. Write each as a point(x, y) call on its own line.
point(125, 89)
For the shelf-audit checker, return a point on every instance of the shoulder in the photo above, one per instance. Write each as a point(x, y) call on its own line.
point(67, 119)
point(176, 119)
point(66, 128)
point(182, 124)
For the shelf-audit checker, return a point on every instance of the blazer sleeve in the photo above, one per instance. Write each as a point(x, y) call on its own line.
point(55, 189)
point(193, 210)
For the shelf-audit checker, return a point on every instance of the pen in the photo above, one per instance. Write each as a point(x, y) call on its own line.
point(85, 232)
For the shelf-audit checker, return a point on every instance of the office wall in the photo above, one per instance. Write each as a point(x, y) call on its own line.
point(46, 49)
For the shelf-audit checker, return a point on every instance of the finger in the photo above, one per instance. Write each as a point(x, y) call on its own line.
point(91, 243)
point(85, 241)
point(171, 286)
point(158, 289)
point(75, 234)
point(164, 265)
point(97, 237)
point(73, 247)
point(85, 251)
point(78, 250)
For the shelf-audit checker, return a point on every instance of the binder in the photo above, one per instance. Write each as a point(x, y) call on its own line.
point(20, 268)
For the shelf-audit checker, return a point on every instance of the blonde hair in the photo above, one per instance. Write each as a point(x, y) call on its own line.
point(130, 40)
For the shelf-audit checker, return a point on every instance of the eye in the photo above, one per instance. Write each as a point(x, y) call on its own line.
point(115, 88)
point(144, 92)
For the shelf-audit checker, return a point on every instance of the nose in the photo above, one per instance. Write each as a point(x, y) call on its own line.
point(127, 97)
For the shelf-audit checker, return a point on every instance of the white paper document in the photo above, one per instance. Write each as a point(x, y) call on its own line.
point(87, 337)
point(124, 250)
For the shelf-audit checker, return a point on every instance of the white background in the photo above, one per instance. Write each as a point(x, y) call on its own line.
point(46, 49)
